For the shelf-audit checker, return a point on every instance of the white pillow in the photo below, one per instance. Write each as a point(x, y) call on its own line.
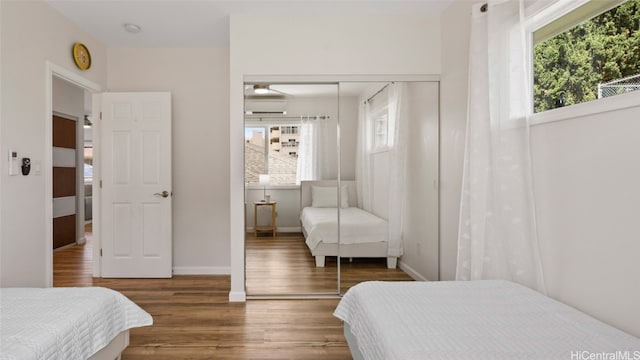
point(327, 196)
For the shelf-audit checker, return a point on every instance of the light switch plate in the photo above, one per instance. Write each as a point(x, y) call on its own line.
point(14, 163)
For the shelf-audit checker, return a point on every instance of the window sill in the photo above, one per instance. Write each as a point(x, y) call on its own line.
point(273, 187)
point(609, 104)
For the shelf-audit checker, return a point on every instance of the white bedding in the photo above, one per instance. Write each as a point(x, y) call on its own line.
point(472, 320)
point(63, 323)
point(356, 226)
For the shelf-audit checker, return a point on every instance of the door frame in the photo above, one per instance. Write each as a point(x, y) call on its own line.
point(47, 170)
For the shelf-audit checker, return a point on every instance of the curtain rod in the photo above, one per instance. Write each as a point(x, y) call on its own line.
point(378, 92)
point(291, 118)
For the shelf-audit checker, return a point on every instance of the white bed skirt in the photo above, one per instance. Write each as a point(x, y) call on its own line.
point(114, 349)
point(367, 250)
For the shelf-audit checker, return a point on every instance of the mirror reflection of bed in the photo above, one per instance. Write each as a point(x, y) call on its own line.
point(291, 135)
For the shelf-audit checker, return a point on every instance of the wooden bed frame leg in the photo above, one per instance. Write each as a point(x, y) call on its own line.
point(319, 260)
point(392, 261)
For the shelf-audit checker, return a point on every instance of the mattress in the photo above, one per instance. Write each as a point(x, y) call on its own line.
point(356, 226)
point(472, 320)
point(63, 323)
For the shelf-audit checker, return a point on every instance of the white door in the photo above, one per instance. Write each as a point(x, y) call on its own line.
point(136, 185)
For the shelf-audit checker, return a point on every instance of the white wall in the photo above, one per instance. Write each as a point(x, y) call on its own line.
point(586, 176)
point(325, 46)
point(453, 121)
point(348, 136)
point(420, 232)
point(288, 208)
point(199, 81)
point(28, 42)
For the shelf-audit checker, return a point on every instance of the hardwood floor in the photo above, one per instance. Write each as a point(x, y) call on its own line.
point(284, 265)
point(194, 320)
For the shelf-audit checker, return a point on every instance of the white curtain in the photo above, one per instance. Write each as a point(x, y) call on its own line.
point(312, 146)
point(497, 237)
point(398, 121)
point(363, 158)
point(399, 133)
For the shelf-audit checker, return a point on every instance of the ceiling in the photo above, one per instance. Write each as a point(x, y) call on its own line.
point(205, 23)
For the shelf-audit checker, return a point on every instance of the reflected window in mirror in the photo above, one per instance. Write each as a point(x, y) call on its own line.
point(381, 128)
point(272, 149)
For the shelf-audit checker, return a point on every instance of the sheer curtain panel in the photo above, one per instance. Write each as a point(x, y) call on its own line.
point(310, 151)
point(363, 158)
point(398, 121)
point(497, 236)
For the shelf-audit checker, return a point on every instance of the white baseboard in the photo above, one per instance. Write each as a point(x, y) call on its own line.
point(237, 296)
point(283, 229)
point(81, 240)
point(201, 270)
point(64, 247)
point(290, 229)
point(411, 271)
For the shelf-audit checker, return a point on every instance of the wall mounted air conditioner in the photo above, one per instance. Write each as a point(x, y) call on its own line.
point(265, 107)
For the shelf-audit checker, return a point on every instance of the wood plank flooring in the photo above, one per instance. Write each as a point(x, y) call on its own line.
point(284, 265)
point(194, 320)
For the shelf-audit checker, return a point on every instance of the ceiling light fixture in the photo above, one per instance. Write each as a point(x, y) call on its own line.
point(261, 89)
point(132, 28)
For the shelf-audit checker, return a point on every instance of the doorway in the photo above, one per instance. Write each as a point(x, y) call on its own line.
point(57, 75)
point(71, 177)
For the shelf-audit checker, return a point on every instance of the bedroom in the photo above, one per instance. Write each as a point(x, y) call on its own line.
point(591, 237)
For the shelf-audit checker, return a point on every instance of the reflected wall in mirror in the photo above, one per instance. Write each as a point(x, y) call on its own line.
point(290, 136)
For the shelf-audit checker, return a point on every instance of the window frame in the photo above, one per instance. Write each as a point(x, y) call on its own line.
point(375, 114)
point(541, 14)
point(265, 124)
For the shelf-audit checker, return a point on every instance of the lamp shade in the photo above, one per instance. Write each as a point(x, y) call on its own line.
point(261, 89)
point(264, 179)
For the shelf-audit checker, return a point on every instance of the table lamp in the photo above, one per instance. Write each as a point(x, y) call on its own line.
point(264, 181)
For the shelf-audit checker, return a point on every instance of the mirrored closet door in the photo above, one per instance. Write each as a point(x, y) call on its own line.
point(389, 160)
point(341, 185)
point(291, 172)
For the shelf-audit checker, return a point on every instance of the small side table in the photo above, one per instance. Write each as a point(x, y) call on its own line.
point(273, 227)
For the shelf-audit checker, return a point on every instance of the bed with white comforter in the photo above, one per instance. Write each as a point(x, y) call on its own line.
point(471, 320)
point(63, 323)
point(356, 226)
point(362, 234)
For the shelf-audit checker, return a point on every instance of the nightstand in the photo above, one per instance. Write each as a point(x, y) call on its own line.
point(273, 226)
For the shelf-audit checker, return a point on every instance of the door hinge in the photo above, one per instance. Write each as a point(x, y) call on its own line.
point(100, 252)
point(100, 184)
point(100, 115)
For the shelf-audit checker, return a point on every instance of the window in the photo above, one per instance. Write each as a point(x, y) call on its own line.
point(271, 149)
point(288, 129)
point(381, 127)
point(588, 54)
point(380, 131)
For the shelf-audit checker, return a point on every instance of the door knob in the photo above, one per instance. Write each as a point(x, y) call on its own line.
point(164, 194)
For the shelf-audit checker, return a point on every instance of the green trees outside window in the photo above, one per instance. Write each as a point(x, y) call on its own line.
point(597, 58)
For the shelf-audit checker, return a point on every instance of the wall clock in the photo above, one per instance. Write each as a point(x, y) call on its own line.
point(81, 56)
